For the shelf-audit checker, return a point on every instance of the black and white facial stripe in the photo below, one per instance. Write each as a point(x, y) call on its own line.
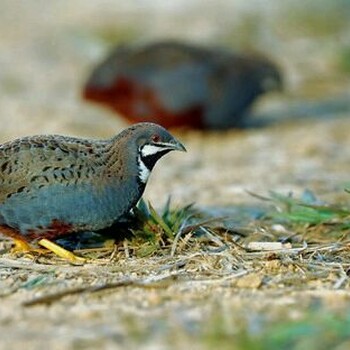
point(148, 157)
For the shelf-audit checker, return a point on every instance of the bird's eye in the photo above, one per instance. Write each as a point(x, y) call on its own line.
point(155, 138)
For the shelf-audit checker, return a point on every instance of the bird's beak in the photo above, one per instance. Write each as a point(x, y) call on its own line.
point(178, 146)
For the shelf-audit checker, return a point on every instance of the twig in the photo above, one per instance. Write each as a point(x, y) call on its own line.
point(343, 277)
point(177, 265)
point(221, 279)
point(157, 282)
point(114, 252)
point(15, 264)
point(259, 196)
point(193, 227)
point(126, 249)
point(262, 251)
point(177, 237)
point(213, 237)
point(340, 282)
point(48, 299)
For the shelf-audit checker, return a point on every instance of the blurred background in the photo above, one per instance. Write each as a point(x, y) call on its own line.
point(49, 48)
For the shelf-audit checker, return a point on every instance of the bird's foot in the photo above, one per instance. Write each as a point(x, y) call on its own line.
point(61, 252)
point(21, 246)
point(24, 247)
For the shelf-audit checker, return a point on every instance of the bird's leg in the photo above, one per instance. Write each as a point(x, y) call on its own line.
point(22, 246)
point(60, 251)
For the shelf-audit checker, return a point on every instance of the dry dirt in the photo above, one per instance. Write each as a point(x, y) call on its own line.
point(300, 140)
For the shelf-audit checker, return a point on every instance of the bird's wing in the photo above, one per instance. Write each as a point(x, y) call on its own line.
point(38, 161)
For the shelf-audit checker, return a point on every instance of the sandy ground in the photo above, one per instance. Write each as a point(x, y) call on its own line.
point(46, 50)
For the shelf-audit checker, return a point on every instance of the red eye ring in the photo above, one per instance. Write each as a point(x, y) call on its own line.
point(155, 138)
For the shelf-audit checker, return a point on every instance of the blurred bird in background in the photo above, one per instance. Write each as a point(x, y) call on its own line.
point(177, 84)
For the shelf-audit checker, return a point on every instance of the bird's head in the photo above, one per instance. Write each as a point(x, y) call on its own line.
point(151, 142)
point(154, 139)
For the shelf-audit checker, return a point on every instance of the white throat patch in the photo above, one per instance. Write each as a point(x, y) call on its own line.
point(144, 172)
point(148, 150)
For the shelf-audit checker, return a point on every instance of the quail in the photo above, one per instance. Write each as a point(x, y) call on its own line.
point(54, 185)
point(181, 85)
